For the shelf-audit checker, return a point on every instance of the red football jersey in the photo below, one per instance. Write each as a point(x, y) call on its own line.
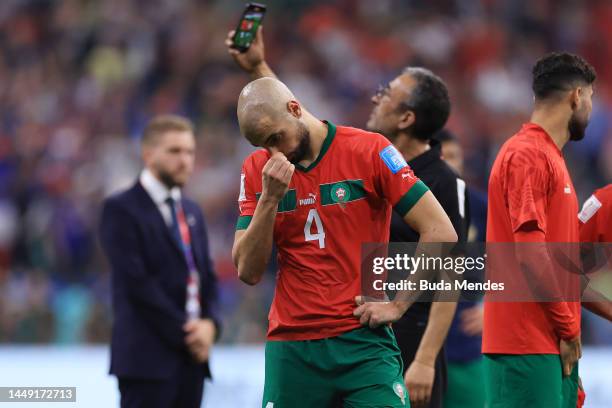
point(596, 217)
point(529, 182)
point(343, 199)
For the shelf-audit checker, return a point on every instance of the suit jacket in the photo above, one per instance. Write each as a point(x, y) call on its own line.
point(149, 282)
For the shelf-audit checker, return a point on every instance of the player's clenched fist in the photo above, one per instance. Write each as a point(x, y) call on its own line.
point(276, 176)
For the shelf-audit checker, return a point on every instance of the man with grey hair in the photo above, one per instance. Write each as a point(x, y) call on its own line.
point(408, 112)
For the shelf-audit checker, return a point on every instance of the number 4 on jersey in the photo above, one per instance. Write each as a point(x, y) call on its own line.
point(313, 215)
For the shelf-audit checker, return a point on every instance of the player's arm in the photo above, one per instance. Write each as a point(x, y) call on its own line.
point(253, 246)
point(420, 375)
point(252, 61)
point(533, 257)
point(427, 218)
point(602, 308)
point(529, 179)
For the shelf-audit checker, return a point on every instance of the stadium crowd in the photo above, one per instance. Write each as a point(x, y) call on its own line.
point(79, 79)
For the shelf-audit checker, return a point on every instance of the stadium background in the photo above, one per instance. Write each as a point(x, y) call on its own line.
point(79, 79)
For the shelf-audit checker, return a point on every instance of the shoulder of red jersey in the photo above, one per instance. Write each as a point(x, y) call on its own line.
point(358, 136)
point(368, 145)
point(604, 194)
point(601, 198)
point(523, 149)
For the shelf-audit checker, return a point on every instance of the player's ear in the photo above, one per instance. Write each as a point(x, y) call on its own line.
point(406, 120)
point(575, 95)
point(294, 108)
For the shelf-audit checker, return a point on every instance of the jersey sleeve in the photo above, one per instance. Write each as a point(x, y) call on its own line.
point(394, 180)
point(591, 219)
point(247, 199)
point(528, 179)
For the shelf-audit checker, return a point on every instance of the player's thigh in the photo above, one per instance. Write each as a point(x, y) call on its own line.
point(570, 389)
point(522, 381)
point(381, 395)
point(372, 376)
point(465, 385)
point(293, 378)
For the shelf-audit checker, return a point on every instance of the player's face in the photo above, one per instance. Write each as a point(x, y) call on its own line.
point(290, 137)
point(387, 114)
point(582, 114)
point(171, 157)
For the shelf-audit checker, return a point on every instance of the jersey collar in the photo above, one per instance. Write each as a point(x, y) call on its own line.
point(331, 132)
point(530, 126)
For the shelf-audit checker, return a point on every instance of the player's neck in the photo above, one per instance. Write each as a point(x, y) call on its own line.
point(318, 134)
point(554, 121)
point(410, 147)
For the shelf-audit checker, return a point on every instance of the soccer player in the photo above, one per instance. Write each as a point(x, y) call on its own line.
point(596, 216)
point(532, 349)
point(318, 191)
point(408, 111)
point(596, 226)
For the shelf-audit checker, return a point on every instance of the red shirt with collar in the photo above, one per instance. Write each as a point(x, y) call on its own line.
point(529, 183)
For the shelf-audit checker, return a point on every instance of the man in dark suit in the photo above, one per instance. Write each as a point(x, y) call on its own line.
point(164, 286)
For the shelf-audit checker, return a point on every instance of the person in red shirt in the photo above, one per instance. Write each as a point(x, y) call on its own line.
point(318, 191)
point(596, 227)
point(408, 111)
point(531, 349)
point(596, 216)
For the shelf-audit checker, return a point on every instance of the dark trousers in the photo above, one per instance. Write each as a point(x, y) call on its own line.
point(183, 390)
point(408, 340)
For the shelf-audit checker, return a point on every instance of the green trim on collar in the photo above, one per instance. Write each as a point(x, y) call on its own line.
point(331, 132)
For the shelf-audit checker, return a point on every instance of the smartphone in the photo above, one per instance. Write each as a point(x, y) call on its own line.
point(247, 28)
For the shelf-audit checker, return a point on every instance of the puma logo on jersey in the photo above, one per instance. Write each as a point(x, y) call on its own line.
point(407, 175)
point(567, 189)
point(312, 198)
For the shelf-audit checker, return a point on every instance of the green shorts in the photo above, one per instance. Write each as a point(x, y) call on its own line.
point(528, 381)
point(358, 369)
point(465, 385)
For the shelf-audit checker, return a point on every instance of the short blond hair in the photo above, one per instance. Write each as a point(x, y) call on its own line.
point(165, 123)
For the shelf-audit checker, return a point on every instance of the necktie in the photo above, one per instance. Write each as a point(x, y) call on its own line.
point(180, 230)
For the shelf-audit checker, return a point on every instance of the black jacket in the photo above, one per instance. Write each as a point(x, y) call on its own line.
point(149, 275)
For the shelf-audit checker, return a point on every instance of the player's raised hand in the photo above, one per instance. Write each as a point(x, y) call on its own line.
point(276, 176)
point(252, 58)
point(374, 314)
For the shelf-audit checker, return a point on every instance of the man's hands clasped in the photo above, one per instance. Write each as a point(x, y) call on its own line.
point(199, 338)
